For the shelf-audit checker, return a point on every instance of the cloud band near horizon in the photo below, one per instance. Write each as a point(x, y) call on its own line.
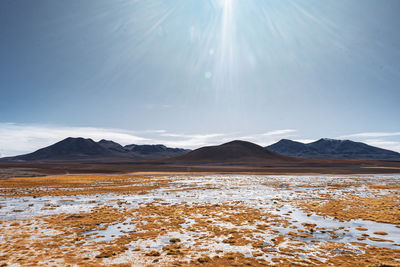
point(16, 139)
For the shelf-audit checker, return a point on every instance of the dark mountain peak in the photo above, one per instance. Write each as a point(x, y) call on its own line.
point(333, 149)
point(325, 142)
point(104, 141)
point(330, 141)
point(108, 143)
point(68, 149)
point(111, 145)
point(69, 140)
point(241, 143)
point(231, 152)
point(287, 141)
point(74, 142)
point(328, 146)
point(290, 148)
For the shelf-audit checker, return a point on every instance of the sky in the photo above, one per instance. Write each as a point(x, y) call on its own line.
point(189, 73)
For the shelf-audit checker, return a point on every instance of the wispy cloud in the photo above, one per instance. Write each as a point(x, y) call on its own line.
point(371, 134)
point(280, 132)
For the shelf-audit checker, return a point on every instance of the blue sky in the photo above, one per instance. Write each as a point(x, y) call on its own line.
point(196, 72)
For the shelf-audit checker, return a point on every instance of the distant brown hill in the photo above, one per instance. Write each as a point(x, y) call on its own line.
point(232, 152)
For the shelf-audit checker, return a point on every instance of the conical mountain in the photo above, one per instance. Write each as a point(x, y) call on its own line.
point(235, 151)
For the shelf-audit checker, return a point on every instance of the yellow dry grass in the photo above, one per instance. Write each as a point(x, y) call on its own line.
point(70, 239)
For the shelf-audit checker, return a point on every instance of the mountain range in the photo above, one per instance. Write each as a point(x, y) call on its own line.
point(78, 149)
point(326, 148)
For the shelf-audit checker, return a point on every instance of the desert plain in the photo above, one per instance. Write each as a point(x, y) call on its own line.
point(200, 219)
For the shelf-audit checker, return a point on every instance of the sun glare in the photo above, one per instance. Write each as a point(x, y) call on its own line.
point(226, 4)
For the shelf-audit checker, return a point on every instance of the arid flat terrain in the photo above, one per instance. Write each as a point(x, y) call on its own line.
point(189, 219)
